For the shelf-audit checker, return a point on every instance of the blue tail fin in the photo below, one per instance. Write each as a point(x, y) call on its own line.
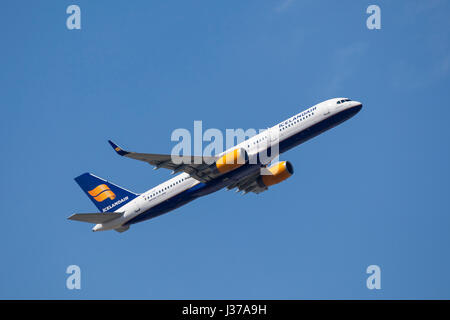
point(105, 195)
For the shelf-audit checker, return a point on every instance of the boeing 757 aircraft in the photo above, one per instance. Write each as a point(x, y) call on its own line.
point(247, 171)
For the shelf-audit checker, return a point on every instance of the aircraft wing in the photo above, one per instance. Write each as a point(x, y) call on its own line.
point(248, 184)
point(197, 167)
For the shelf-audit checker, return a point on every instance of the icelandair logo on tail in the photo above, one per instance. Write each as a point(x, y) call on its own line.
point(101, 193)
point(115, 204)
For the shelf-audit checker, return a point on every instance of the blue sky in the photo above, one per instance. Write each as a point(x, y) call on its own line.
point(372, 191)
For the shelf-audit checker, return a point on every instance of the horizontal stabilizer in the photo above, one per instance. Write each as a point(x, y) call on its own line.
point(95, 217)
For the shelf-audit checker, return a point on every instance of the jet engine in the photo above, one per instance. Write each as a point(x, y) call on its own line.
point(278, 172)
point(231, 160)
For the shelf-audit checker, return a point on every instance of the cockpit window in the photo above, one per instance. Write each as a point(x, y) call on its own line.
point(343, 100)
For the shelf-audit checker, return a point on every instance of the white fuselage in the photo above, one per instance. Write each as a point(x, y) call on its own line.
point(257, 144)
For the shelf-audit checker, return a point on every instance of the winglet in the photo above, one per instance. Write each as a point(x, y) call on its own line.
point(118, 149)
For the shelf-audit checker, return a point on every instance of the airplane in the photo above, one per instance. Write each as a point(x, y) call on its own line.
point(247, 171)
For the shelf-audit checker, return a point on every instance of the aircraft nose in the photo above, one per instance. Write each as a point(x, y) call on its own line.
point(356, 105)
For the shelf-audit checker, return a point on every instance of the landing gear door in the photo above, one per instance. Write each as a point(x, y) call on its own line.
point(274, 149)
point(326, 109)
point(274, 135)
point(136, 207)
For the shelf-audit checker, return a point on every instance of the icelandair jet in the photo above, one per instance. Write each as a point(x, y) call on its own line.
point(120, 208)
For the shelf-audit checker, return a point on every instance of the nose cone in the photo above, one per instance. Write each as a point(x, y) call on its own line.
point(356, 105)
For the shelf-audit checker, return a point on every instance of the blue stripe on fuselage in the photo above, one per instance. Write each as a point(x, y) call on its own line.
point(202, 189)
point(199, 190)
point(317, 129)
point(169, 205)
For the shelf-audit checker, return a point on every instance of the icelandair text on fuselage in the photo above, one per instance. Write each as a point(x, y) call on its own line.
point(298, 116)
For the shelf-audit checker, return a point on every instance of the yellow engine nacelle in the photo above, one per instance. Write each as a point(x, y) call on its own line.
point(280, 172)
point(231, 160)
